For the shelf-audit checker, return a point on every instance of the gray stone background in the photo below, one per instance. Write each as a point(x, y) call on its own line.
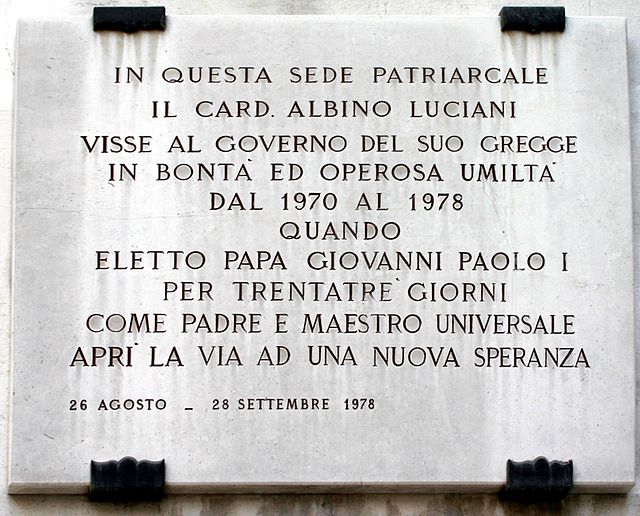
point(396, 504)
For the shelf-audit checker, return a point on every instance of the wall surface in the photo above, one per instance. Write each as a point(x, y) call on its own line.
point(287, 504)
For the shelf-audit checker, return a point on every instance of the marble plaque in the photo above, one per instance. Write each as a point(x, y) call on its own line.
point(322, 253)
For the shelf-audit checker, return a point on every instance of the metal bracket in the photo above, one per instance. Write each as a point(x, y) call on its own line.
point(538, 480)
point(533, 19)
point(127, 480)
point(129, 19)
